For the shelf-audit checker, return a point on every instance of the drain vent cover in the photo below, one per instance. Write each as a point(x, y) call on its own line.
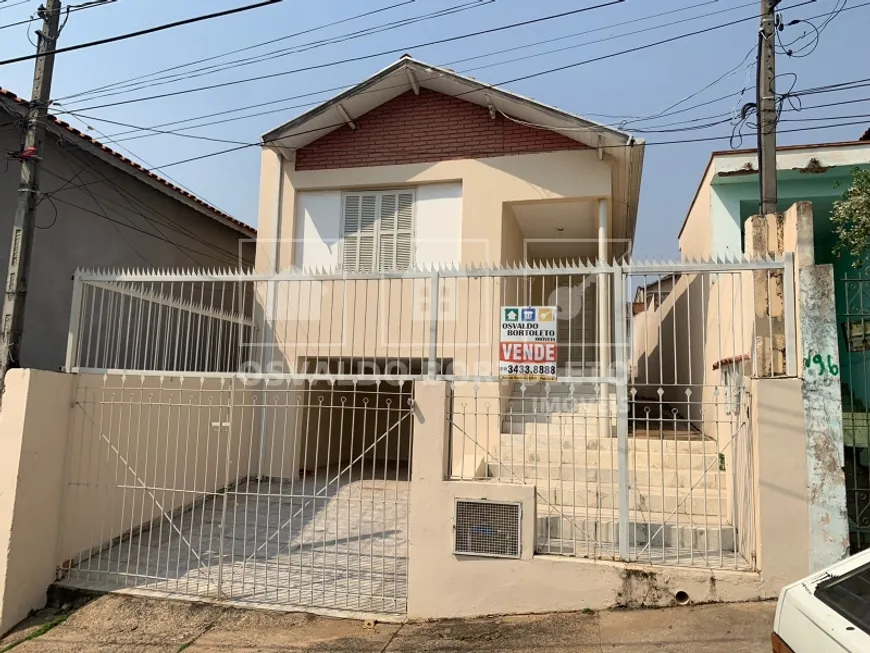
point(487, 528)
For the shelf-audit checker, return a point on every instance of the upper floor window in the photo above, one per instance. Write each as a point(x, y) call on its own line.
point(377, 231)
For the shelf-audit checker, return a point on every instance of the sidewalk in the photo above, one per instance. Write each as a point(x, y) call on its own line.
point(117, 624)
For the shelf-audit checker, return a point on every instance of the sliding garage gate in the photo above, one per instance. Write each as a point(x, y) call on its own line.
point(293, 494)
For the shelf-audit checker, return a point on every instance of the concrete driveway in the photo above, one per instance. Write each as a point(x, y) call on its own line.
point(116, 624)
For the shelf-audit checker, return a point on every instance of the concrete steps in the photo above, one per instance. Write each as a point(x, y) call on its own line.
point(573, 494)
point(579, 425)
point(696, 534)
point(591, 442)
point(606, 476)
point(562, 461)
point(678, 498)
point(649, 502)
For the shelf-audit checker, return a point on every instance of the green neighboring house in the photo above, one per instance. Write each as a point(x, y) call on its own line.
point(818, 173)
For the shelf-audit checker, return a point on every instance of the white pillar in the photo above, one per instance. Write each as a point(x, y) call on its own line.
point(603, 297)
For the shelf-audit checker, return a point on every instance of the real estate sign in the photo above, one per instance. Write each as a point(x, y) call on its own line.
point(527, 350)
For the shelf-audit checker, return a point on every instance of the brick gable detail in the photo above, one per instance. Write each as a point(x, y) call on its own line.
point(426, 128)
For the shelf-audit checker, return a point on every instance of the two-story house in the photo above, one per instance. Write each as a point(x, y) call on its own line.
point(417, 167)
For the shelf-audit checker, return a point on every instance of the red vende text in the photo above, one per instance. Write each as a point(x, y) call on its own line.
point(523, 352)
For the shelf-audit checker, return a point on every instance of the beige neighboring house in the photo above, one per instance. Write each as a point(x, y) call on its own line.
point(101, 210)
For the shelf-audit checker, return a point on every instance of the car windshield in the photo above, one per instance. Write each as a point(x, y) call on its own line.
point(849, 595)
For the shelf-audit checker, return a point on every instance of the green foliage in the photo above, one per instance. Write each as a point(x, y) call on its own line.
point(851, 218)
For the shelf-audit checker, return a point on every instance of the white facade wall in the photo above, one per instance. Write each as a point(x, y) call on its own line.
point(318, 229)
point(439, 224)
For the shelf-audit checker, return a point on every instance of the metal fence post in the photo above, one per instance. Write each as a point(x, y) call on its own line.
point(433, 324)
point(222, 529)
point(621, 373)
point(788, 284)
point(268, 342)
point(75, 318)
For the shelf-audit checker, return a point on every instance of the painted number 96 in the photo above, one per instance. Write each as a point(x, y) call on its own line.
point(831, 367)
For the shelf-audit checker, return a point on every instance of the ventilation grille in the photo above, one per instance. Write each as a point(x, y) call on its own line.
point(487, 528)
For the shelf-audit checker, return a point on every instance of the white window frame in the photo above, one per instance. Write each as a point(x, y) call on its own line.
point(379, 193)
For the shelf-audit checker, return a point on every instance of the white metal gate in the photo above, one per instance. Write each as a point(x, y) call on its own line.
point(248, 438)
point(642, 449)
point(197, 486)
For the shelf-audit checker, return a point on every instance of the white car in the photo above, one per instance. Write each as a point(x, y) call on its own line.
point(826, 611)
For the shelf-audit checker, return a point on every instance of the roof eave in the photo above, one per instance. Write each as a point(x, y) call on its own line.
point(279, 132)
point(408, 62)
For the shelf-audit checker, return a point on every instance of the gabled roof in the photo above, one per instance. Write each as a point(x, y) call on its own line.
point(17, 106)
point(409, 74)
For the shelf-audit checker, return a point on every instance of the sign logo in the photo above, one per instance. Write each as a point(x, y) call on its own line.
point(511, 315)
point(528, 315)
point(545, 315)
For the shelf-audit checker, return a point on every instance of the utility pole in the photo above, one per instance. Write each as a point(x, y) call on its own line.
point(766, 100)
point(28, 194)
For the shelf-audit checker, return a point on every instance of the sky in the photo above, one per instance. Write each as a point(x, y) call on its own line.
point(629, 90)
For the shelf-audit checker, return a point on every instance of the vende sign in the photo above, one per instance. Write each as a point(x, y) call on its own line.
point(516, 352)
point(528, 349)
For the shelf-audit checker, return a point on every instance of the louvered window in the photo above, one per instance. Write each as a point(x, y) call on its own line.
point(378, 232)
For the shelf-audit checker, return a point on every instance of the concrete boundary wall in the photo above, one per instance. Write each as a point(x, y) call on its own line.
point(37, 420)
point(818, 367)
point(34, 426)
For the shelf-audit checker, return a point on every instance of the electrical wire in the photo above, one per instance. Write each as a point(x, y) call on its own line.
point(481, 86)
point(646, 144)
point(279, 53)
point(653, 144)
point(238, 50)
point(340, 88)
point(547, 52)
point(272, 103)
point(786, 48)
point(54, 219)
point(131, 87)
point(104, 214)
point(834, 14)
point(106, 139)
point(364, 57)
point(3, 5)
point(244, 145)
point(156, 131)
point(149, 129)
point(17, 23)
point(67, 10)
point(664, 111)
point(863, 115)
point(73, 150)
point(603, 40)
point(275, 110)
point(449, 39)
point(802, 52)
point(142, 32)
point(129, 200)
